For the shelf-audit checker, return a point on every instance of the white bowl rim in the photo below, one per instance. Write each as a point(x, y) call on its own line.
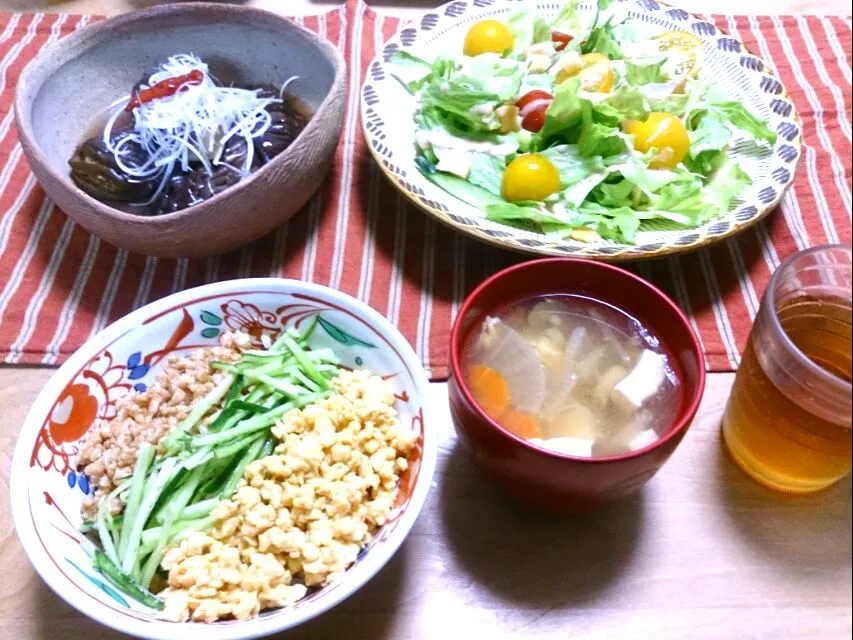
point(354, 578)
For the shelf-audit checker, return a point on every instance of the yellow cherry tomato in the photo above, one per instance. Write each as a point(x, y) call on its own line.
point(683, 54)
point(530, 177)
point(595, 73)
point(487, 36)
point(661, 131)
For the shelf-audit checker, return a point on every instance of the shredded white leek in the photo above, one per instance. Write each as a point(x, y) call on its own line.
point(192, 125)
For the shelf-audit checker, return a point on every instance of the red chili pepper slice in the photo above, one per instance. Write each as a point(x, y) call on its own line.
point(165, 88)
point(561, 39)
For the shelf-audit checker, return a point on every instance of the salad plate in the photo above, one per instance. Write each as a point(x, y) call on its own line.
point(613, 130)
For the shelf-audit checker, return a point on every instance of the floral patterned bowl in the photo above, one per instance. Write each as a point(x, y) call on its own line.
point(47, 490)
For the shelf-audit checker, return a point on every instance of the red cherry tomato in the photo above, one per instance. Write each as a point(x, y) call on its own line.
point(530, 96)
point(535, 118)
point(532, 107)
point(561, 39)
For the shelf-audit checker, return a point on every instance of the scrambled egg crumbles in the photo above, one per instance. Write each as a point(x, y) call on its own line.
point(300, 516)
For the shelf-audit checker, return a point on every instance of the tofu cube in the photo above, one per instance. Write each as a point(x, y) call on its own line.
point(642, 383)
point(643, 439)
point(580, 447)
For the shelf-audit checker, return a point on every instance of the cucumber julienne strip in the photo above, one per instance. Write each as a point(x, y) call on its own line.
point(101, 523)
point(310, 330)
point(249, 457)
point(235, 447)
point(234, 391)
point(249, 406)
point(254, 353)
point(173, 510)
point(199, 509)
point(217, 470)
point(258, 422)
point(268, 448)
point(133, 528)
point(308, 383)
point(234, 415)
point(195, 525)
point(305, 362)
point(172, 441)
point(279, 342)
point(150, 537)
point(279, 385)
point(124, 582)
point(190, 512)
point(144, 459)
point(197, 459)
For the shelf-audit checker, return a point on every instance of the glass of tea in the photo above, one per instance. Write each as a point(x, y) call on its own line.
point(788, 421)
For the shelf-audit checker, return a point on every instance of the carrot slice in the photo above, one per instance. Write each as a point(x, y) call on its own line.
point(490, 390)
point(522, 424)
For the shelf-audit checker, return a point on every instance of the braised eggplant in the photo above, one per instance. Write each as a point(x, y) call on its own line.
point(168, 148)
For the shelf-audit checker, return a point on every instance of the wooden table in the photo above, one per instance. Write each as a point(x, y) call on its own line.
point(701, 553)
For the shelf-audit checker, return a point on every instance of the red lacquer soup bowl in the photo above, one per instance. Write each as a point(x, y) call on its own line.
point(554, 481)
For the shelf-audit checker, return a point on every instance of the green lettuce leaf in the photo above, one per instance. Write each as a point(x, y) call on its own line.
point(619, 224)
point(411, 70)
point(527, 28)
point(602, 40)
point(543, 81)
point(563, 113)
point(601, 37)
point(625, 103)
point(467, 127)
point(645, 71)
point(572, 166)
point(486, 171)
point(491, 73)
point(706, 97)
point(598, 139)
point(740, 117)
point(683, 195)
point(576, 194)
point(522, 216)
point(458, 187)
point(568, 20)
point(708, 143)
point(727, 183)
point(613, 194)
point(649, 181)
point(659, 97)
point(455, 100)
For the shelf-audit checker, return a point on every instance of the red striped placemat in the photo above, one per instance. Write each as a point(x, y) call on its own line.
point(59, 285)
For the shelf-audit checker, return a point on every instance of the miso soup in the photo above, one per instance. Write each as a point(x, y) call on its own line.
point(573, 374)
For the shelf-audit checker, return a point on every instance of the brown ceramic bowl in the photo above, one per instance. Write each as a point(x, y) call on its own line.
point(60, 92)
point(553, 481)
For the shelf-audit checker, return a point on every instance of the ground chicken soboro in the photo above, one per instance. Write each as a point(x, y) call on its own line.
point(108, 452)
point(300, 516)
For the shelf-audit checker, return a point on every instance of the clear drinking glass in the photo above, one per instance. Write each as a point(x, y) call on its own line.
point(788, 421)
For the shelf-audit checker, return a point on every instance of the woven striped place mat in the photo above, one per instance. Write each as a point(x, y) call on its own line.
point(59, 285)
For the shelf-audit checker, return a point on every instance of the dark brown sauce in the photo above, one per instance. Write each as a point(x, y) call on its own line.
point(93, 168)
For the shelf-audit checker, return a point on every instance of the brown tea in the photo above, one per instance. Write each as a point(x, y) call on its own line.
point(769, 430)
